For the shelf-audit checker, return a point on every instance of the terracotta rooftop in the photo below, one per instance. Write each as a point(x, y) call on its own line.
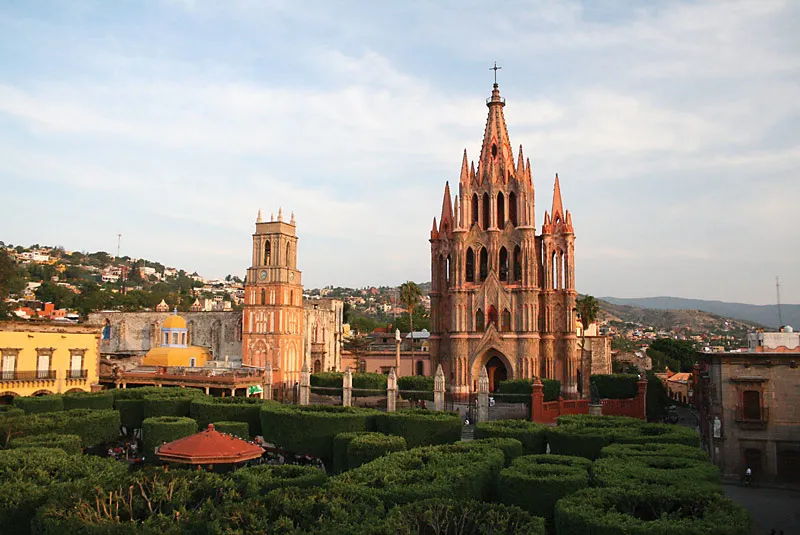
point(209, 447)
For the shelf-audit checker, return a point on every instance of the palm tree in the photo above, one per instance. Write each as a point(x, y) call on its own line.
point(410, 295)
point(588, 308)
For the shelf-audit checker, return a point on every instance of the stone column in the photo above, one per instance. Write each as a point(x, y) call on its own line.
point(483, 395)
point(438, 389)
point(391, 391)
point(208, 391)
point(347, 388)
point(537, 400)
point(305, 385)
point(641, 395)
point(266, 384)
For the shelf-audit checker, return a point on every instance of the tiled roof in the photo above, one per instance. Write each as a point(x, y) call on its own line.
point(209, 447)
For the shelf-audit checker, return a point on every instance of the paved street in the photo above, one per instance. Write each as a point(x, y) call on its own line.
point(770, 508)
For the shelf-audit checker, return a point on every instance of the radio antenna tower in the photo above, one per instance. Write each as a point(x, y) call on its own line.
point(778, 291)
point(119, 240)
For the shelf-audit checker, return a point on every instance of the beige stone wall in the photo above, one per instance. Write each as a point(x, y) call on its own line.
point(323, 324)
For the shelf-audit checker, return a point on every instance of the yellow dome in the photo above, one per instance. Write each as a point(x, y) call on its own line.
point(174, 322)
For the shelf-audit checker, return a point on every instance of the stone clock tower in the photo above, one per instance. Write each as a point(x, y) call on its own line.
point(272, 322)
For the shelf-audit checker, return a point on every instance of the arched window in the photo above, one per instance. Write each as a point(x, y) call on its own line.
point(263, 296)
point(448, 271)
point(486, 211)
point(501, 211)
point(183, 339)
point(288, 260)
point(166, 338)
point(506, 322)
point(267, 253)
point(479, 322)
point(440, 281)
point(503, 264)
point(484, 264)
point(492, 317)
point(420, 368)
point(512, 208)
point(474, 208)
point(553, 271)
point(317, 366)
point(470, 263)
point(517, 264)
point(174, 338)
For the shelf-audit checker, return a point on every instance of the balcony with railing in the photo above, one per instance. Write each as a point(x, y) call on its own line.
point(27, 375)
point(752, 416)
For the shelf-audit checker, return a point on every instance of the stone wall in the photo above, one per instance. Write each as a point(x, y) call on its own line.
point(322, 344)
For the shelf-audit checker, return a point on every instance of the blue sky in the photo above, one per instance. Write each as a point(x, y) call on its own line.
point(674, 127)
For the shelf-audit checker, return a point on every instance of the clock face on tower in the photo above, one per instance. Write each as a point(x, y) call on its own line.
point(291, 275)
point(263, 274)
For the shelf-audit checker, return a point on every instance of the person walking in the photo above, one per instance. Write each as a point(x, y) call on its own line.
point(747, 475)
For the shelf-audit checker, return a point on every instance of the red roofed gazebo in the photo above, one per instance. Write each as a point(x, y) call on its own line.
point(209, 447)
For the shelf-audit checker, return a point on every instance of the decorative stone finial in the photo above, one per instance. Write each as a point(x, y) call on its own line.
point(271, 217)
point(280, 214)
point(258, 219)
point(292, 221)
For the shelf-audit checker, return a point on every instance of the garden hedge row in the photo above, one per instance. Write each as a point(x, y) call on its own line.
point(69, 443)
point(367, 447)
point(420, 427)
point(616, 385)
point(520, 390)
point(171, 402)
point(416, 387)
point(340, 443)
point(310, 429)
point(156, 431)
point(364, 384)
point(649, 511)
point(103, 400)
point(39, 404)
point(654, 449)
point(637, 472)
point(428, 472)
point(94, 427)
point(511, 447)
point(207, 410)
point(532, 435)
point(536, 482)
point(130, 403)
point(237, 429)
point(260, 479)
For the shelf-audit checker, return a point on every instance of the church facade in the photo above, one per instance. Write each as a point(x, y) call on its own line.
point(503, 296)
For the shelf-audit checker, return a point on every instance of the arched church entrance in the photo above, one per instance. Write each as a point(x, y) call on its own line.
point(497, 372)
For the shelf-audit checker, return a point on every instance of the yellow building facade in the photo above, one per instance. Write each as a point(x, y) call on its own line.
point(38, 359)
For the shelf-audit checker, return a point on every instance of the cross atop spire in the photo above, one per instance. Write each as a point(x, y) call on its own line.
point(495, 69)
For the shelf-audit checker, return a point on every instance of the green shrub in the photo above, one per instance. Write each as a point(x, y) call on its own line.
point(260, 479)
point(364, 384)
point(654, 449)
point(103, 400)
point(10, 410)
point(662, 434)
point(310, 429)
point(428, 472)
point(131, 412)
point(421, 427)
point(30, 476)
point(616, 385)
point(369, 446)
point(340, 443)
point(536, 482)
point(649, 511)
point(599, 421)
point(237, 429)
point(511, 447)
point(637, 472)
point(552, 389)
point(39, 404)
point(469, 517)
point(171, 402)
point(207, 410)
point(532, 435)
point(94, 427)
point(657, 398)
point(69, 443)
point(416, 387)
point(520, 390)
point(157, 431)
point(584, 435)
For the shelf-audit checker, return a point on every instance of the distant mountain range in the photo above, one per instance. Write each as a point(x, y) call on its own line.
point(766, 315)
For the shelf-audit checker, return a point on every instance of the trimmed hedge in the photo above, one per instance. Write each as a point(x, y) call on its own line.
point(364, 384)
point(520, 390)
point(130, 404)
point(428, 472)
point(536, 482)
point(103, 400)
point(310, 429)
point(156, 431)
point(237, 429)
point(616, 385)
point(416, 387)
point(649, 511)
point(369, 446)
point(469, 517)
point(30, 476)
point(260, 479)
point(652, 449)
point(636, 472)
point(532, 435)
point(94, 427)
point(511, 447)
point(421, 427)
point(172, 402)
point(69, 443)
point(39, 404)
point(340, 443)
point(662, 434)
point(598, 421)
point(207, 410)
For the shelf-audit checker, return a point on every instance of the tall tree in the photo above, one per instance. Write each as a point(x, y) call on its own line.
point(588, 308)
point(410, 295)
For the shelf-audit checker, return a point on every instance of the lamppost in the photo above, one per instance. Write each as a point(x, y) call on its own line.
point(397, 355)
